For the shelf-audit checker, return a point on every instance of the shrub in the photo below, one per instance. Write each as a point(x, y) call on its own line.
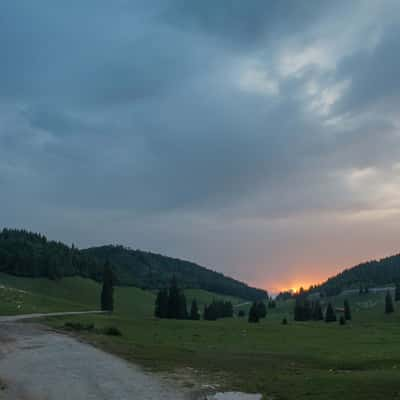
point(284, 321)
point(112, 331)
point(342, 320)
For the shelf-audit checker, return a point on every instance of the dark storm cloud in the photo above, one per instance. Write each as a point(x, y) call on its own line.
point(172, 123)
point(246, 24)
point(373, 73)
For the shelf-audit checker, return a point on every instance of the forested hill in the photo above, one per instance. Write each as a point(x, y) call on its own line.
point(368, 274)
point(29, 254)
point(150, 270)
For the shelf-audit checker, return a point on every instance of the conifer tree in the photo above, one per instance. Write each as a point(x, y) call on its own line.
point(298, 310)
point(306, 310)
point(194, 311)
point(107, 292)
point(271, 303)
point(253, 313)
point(388, 303)
point(173, 299)
point(182, 310)
point(161, 309)
point(347, 311)
point(330, 315)
point(397, 292)
point(261, 309)
point(317, 314)
point(210, 312)
point(157, 311)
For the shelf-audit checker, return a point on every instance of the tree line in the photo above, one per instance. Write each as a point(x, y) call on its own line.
point(171, 303)
point(24, 253)
point(218, 309)
point(368, 274)
point(257, 311)
point(311, 310)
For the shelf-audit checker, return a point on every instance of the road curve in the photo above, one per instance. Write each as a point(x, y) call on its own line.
point(21, 317)
point(37, 363)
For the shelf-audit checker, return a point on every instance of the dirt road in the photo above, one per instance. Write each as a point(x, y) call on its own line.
point(39, 364)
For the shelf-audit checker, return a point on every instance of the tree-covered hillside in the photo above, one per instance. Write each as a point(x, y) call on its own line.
point(153, 271)
point(368, 274)
point(29, 254)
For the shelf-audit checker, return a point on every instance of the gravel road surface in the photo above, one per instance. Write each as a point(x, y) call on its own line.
point(39, 364)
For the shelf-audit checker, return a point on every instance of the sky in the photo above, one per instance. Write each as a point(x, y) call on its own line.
point(260, 139)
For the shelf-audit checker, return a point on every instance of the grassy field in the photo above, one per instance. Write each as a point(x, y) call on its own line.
point(26, 295)
point(308, 360)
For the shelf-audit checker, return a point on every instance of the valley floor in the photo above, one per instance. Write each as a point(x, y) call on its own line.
point(37, 363)
point(300, 360)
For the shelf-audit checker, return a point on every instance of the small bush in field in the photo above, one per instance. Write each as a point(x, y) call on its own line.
point(112, 331)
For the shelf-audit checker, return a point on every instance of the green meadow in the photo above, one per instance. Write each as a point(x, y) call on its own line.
point(301, 360)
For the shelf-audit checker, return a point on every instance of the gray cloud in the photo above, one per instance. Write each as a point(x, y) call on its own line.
point(218, 132)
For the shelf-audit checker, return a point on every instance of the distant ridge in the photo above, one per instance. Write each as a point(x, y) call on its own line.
point(366, 274)
point(24, 253)
point(149, 270)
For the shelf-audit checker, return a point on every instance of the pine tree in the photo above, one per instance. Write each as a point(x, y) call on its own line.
point(388, 303)
point(317, 314)
point(173, 299)
point(107, 292)
point(210, 312)
point(205, 312)
point(347, 311)
point(397, 292)
point(161, 306)
point(298, 310)
point(330, 315)
point(261, 309)
point(177, 308)
point(157, 308)
point(272, 304)
point(228, 309)
point(194, 311)
point(182, 314)
point(253, 313)
point(306, 310)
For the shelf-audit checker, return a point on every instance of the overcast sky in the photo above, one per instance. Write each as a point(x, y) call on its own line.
point(259, 138)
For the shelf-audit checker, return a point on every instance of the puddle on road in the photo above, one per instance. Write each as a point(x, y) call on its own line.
point(234, 396)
